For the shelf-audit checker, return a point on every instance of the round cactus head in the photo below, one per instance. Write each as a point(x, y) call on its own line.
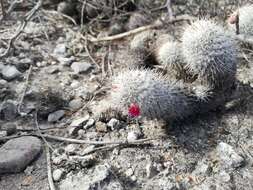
point(209, 51)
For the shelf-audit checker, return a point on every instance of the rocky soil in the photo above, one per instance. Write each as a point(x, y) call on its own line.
point(55, 83)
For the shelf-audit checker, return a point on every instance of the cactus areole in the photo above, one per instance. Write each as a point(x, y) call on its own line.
point(134, 110)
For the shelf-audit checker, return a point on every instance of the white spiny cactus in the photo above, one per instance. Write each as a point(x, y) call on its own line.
point(156, 97)
point(169, 55)
point(209, 51)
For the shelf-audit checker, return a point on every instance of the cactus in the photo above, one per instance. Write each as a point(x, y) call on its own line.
point(245, 20)
point(210, 53)
point(207, 52)
point(169, 55)
point(156, 97)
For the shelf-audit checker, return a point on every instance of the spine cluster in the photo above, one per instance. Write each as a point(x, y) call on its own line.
point(207, 54)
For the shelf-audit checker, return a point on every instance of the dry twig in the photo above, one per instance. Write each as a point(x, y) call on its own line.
point(49, 170)
point(138, 30)
point(22, 26)
point(76, 141)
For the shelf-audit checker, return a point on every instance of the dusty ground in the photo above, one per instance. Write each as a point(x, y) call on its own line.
point(211, 151)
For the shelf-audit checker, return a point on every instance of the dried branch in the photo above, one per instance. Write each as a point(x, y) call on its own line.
point(2, 9)
point(22, 26)
point(138, 30)
point(76, 141)
point(49, 170)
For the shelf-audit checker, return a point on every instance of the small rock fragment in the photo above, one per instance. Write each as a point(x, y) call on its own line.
point(98, 177)
point(71, 148)
point(89, 123)
point(57, 174)
point(228, 157)
point(60, 49)
point(132, 136)
point(10, 72)
point(10, 128)
point(66, 61)
point(80, 67)
point(8, 110)
point(75, 104)
point(113, 123)
point(55, 116)
point(79, 122)
point(3, 133)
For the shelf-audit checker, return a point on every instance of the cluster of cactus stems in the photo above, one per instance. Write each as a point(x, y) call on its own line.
point(207, 54)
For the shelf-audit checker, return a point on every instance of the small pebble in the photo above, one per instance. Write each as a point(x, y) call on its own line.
point(113, 123)
point(80, 121)
point(80, 67)
point(71, 148)
point(90, 123)
point(75, 104)
point(57, 174)
point(129, 172)
point(87, 150)
point(60, 49)
point(10, 73)
point(132, 136)
point(55, 116)
point(3, 133)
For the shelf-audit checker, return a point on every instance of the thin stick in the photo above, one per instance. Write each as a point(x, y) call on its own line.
point(76, 141)
point(49, 170)
point(169, 9)
point(2, 8)
point(39, 131)
point(22, 26)
point(138, 30)
point(88, 52)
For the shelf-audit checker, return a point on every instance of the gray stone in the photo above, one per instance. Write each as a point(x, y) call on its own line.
point(113, 123)
point(79, 122)
point(60, 49)
point(75, 104)
point(89, 123)
point(3, 82)
point(66, 61)
point(75, 84)
point(98, 178)
point(71, 148)
point(10, 128)
point(3, 133)
point(10, 72)
point(81, 67)
point(57, 160)
point(53, 69)
point(57, 174)
point(8, 110)
point(228, 157)
point(55, 116)
point(87, 150)
point(17, 153)
point(132, 136)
